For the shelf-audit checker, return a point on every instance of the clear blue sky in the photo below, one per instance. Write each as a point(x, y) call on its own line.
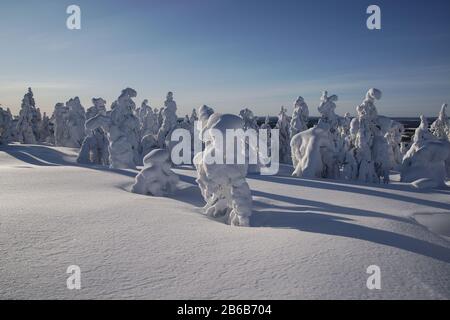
point(228, 53)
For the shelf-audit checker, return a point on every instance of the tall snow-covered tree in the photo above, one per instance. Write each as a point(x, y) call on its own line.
point(300, 117)
point(283, 126)
point(29, 120)
point(169, 120)
point(122, 127)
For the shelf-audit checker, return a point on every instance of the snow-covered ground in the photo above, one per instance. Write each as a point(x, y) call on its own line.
point(308, 239)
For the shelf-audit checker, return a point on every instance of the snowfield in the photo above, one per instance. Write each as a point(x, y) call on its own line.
point(309, 238)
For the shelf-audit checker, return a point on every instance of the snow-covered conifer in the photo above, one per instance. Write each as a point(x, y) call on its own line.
point(283, 125)
point(223, 186)
point(441, 126)
point(300, 117)
point(156, 178)
point(122, 129)
point(95, 145)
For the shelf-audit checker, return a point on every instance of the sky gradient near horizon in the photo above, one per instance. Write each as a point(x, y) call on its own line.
point(228, 54)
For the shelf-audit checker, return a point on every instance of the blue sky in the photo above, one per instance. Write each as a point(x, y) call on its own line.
point(228, 53)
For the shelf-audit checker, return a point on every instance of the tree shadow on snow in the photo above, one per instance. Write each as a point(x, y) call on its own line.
point(303, 216)
point(345, 186)
point(41, 155)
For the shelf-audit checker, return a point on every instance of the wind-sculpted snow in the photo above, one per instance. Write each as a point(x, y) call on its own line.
point(122, 129)
point(223, 186)
point(156, 178)
point(309, 238)
point(426, 163)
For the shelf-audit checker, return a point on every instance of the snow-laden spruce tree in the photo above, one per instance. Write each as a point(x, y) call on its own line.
point(316, 152)
point(222, 185)
point(76, 118)
point(95, 145)
point(59, 119)
point(148, 120)
point(266, 124)
point(44, 129)
point(29, 118)
point(283, 124)
point(370, 145)
point(156, 178)
point(193, 117)
point(300, 117)
point(427, 162)
point(169, 121)
point(142, 111)
point(250, 121)
point(122, 129)
point(394, 139)
point(441, 126)
point(6, 126)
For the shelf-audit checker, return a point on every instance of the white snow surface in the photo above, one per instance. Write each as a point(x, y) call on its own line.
point(309, 238)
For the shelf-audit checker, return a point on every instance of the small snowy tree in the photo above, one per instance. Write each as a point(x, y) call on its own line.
point(300, 117)
point(95, 146)
point(250, 121)
point(148, 120)
point(283, 125)
point(122, 129)
point(193, 116)
point(441, 126)
point(169, 120)
point(156, 178)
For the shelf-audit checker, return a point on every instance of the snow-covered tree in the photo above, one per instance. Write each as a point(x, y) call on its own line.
point(44, 129)
point(122, 129)
point(223, 186)
point(169, 120)
point(6, 126)
point(441, 126)
point(193, 116)
point(266, 124)
point(369, 143)
point(76, 118)
point(283, 126)
point(250, 121)
point(95, 145)
point(29, 118)
point(427, 162)
point(300, 117)
point(156, 178)
point(148, 120)
point(318, 151)
point(69, 120)
point(394, 139)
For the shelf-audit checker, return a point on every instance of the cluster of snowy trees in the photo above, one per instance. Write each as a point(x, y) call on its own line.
point(363, 148)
